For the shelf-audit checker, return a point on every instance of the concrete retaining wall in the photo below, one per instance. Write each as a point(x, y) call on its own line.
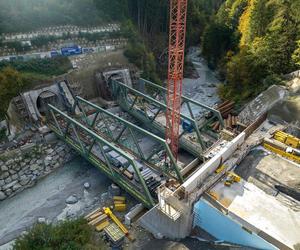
point(161, 225)
point(225, 228)
point(210, 166)
point(22, 167)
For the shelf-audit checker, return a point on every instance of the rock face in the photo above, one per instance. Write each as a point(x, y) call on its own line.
point(22, 169)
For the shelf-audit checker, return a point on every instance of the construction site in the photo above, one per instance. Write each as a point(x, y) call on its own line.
point(193, 165)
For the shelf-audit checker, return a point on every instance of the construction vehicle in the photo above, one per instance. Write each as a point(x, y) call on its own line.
point(231, 178)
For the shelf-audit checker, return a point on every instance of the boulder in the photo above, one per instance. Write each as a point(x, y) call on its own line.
point(9, 185)
point(39, 162)
point(48, 160)
point(16, 187)
point(2, 196)
point(10, 162)
point(11, 171)
point(72, 199)
point(87, 185)
point(17, 167)
point(34, 167)
point(4, 175)
point(8, 180)
point(4, 168)
point(42, 220)
point(8, 192)
point(24, 180)
point(14, 177)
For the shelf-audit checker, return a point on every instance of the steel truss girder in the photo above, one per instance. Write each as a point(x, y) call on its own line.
point(103, 164)
point(132, 129)
point(186, 100)
point(121, 91)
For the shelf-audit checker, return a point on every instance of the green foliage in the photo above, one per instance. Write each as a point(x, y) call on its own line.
point(46, 66)
point(138, 53)
point(27, 15)
point(267, 47)
point(17, 46)
point(17, 76)
point(244, 74)
point(218, 39)
point(42, 41)
point(198, 17)
point(2, 134)
point(116, 10)
point(296, 54)
point(68, 235)
point(11, 83)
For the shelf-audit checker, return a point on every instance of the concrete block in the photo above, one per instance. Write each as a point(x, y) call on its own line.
point(133, 213)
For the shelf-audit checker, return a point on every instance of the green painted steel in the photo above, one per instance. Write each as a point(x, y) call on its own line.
point(105, 166)
point(121, 92)
point(189, 101)
point(132, 129)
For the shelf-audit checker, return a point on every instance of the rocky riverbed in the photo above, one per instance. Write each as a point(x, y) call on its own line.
point(47, 201)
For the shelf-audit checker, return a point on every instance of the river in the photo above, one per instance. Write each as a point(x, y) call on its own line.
point(46, 199)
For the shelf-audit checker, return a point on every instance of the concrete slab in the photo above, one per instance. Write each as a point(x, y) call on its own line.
point(266, 170)
point(260, 212)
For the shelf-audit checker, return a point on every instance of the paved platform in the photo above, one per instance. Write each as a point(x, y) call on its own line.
point(276, 219)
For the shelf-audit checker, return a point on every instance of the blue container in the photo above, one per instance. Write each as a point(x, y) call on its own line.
point(72, 50)
point(187, 126)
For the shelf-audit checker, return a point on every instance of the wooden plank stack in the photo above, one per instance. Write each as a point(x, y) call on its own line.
point(230, 121)
point(98, 219)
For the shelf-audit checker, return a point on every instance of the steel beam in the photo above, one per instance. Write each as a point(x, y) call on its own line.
point(188, 100)
point(124, 89)
point(132, 127)
point(146, 198)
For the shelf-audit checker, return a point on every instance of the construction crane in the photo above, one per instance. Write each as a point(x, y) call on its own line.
point(178, 12)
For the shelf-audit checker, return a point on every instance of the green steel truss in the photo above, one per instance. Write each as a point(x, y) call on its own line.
point(159, 90)
point(149, 110)
point(146, 146)
point(91, 146)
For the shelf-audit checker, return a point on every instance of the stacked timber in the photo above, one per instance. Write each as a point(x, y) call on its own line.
point(98, 219)
point(230, 120)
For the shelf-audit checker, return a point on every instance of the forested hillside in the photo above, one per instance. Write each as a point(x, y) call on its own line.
point(146, 23)
point(27, 15)
point(253, 43)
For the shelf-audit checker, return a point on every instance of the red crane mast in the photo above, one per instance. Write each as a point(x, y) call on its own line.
point(178, 12)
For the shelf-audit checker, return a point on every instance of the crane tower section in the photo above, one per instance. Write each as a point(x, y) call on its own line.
point(178, 12)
